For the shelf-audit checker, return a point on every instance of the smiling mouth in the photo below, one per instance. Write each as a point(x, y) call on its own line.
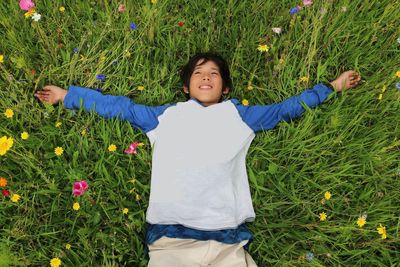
point(205, 87)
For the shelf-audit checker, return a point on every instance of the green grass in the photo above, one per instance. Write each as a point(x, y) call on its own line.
point(349, 146)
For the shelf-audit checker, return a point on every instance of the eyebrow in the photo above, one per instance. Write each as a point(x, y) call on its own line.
point(199, 66)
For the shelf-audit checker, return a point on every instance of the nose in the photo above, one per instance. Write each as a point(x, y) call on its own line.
point(206, 77)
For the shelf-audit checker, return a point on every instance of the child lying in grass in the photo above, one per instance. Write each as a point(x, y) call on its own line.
point(200, 197)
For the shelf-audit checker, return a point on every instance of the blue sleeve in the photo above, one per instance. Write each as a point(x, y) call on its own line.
point(142, 117)
point(265, 117)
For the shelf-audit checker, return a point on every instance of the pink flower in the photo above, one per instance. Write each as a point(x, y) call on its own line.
point(26, 4)
point(121, 8)
point(132, 148)
point(80, 188)
point(307, 2)
point(5, 193)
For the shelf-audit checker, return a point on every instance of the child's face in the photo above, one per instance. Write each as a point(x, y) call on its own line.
point(206, 83)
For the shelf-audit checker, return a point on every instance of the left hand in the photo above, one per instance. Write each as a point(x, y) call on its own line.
point(346, 80)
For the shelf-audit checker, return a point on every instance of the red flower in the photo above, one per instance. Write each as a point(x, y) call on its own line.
point(79, 188)
point(5, 193)
point(33, 72)
point(181, 23)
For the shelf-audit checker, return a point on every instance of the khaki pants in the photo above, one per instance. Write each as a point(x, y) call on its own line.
point(176, 252)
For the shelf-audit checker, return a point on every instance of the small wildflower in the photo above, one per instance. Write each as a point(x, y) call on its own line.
point(101, 77)
point(281, 61)
point(5, 193)
point(55, 262)
point(76, 206)
point(137, 197)
point(181, 23)
point(361, 221)
point(132, 148)
point(9, 113)
point(327, 195)
point(76, 50)
point(36, 17)
point(33, 72)
point(398, 40)
point(79, 188)
point(3, 182)
point(304, 78)
point(277, 30)
point(263, 48)
point(140, 87)
point(398, 85)
point(121, 8)
point(83, 132)
point(30, 13)
point(132, 26)
point(61, 9)
point(68, 246)
point(302, 258)
point(380, 96)
point(125, 211)
point(58, 151)
point(322, 216)
point(5, 144)
point(309, 256)
point(24, 135)
point(295, 10)
point(382, 231)
point(307, 2)
point(128, 54)
point(1, 58)
point(58, 124)
point(398, 74)
point(15, 198)
point(323, 201)
point(245, 102)
point(250, 87)
point(112, 148)
point(26, 4)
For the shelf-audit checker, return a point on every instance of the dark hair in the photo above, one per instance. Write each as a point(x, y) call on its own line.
point(188, 69)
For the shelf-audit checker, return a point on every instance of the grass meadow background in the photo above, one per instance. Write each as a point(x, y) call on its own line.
point(349, 146)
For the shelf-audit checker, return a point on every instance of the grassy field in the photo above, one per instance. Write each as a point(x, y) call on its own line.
point(349, 146)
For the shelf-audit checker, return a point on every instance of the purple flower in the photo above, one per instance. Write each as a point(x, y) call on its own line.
point(76, 50)
point(132, 26)
point(295, 10)
point(101, 77)
point(398, 85)
point(309, 256)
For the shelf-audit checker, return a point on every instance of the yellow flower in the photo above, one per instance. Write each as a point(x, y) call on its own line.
point(304, 79)
point(9, 113)
point(137, 197)
point(322, 216)
point(3, 181)
point(398, 74)
point(125, 211)
point(127, 54)
point(58, 150)
point(140, 88)
point(380, 96)
point(5, 144)
point(245, 102)
point(58, 124)
point(83, 132)
point(361, 221)
point(112, 148)
point(61, 9)
point(55, 262)
point(15, 198)
point(30, 13)
point(249, 87)
point(1, 58)
point(154, 2)
point(382, 231)
point(327, 195)
point(263, 48)
point(68, 246)
point(24, 135)
point(281, 61)
point(76, 206)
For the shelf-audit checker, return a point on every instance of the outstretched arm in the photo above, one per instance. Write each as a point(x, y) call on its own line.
point(265, 117)
point(107, 106)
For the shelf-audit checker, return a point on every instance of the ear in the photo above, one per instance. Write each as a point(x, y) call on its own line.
point(185, 90)
point(225, 91)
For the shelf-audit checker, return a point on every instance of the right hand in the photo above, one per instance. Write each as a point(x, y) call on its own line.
point(51, 94)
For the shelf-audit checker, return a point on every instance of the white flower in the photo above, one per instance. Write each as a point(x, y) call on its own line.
point(398, 40)
point(36, 17)
point(277, 30)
